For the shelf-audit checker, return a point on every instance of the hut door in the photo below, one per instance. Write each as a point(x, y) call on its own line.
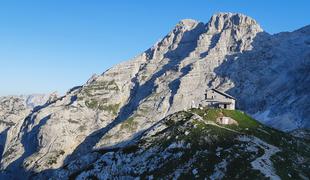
point(225, 106)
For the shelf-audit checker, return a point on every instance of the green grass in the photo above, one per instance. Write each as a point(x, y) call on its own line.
point(130, 124)
point(92, 89)
point(284, 161)
point(243, 119)
point(102, 105)
point(92, 104)
point(202, 137)
point(113, 108)
point(211, 114)
point(205, 139)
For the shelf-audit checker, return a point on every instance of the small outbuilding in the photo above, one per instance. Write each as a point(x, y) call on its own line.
point(218, 99)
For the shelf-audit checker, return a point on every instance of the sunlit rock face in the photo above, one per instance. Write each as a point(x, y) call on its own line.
point(267, 74)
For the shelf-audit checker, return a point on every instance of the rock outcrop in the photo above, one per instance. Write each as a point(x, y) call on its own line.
point(13, 109)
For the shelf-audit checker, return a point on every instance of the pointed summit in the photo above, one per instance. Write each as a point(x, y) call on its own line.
point(221, 21)
point(187, 23)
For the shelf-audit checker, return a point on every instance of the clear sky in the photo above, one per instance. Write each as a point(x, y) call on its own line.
point(53, 45)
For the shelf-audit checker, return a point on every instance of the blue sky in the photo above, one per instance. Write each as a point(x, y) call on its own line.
point(53, 45)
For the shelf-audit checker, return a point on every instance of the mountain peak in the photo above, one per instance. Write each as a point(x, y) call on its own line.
point(188, 24)
point(118, 117)
point(221, 21)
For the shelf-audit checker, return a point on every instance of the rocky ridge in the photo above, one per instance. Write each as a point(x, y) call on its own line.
point(268, 75)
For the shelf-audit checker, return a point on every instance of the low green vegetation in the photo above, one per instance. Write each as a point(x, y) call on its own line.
point(82, 128)
point(9, 152)
point(204, 137)
point(92, 104)
point(53, 158)
point(97, 87)
point(102, 105)
point(197, 147)
point(143, 78)
point(129, 124)
point(244, 121)
point(73, 121)
point(113, 108)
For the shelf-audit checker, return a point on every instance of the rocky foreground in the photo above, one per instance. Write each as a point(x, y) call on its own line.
point(267, 74)
point(193, 144)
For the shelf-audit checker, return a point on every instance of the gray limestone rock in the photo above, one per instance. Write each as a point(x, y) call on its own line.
point(268, 75)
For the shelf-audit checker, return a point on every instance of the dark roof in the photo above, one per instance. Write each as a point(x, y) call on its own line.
point(224, 94)
point(219, 102)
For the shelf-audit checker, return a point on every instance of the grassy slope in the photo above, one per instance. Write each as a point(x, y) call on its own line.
point(212, 145)
point(284, 161)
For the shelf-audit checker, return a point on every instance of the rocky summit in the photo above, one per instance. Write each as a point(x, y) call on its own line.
point(140, 118)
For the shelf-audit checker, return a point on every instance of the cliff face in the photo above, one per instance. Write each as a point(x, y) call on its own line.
point(267, 74)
